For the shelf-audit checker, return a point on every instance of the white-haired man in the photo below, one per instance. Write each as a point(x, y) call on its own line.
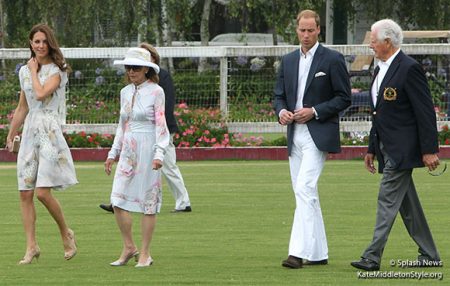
point(403, 137)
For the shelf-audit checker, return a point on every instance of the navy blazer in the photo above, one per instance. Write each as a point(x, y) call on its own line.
point(404, 119)
point(327, 90)
point(165, 81)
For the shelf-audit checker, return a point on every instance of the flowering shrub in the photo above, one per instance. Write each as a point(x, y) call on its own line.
point(82, 139)
point(355, 138)
point(240, 140)
point(203, 128)
point(200, 128)
point(252, 112)
point(444, 135)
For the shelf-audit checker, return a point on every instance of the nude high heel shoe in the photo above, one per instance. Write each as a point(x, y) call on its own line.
point(72, 244)
point(146, 264)
point(125, 261)
point(28, 258)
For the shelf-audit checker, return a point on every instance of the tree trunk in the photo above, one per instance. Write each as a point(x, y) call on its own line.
point(2, 32)
point(204, 33)
point(166, 34)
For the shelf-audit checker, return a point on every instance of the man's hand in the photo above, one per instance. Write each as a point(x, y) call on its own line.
point(431, 161)
point(368, 162)
point(303, 115)
point(286, 117)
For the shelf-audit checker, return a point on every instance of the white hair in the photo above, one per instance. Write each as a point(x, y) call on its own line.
point(388, 29)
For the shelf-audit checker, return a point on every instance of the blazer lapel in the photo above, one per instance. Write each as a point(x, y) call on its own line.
point(375, 74)
point(389, 74)
point(293, 70)
point(315, 63)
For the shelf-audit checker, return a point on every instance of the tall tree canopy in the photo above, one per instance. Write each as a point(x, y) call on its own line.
point(123, 22)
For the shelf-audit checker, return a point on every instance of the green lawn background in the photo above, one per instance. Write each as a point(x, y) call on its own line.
point(237, 234)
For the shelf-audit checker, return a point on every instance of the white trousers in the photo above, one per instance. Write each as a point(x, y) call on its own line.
point(174, 178)
point(308, 239)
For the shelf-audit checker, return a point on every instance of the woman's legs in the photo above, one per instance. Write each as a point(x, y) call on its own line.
point(125, 223)
point(45, 196)
point(148, 224)
point(29, 219)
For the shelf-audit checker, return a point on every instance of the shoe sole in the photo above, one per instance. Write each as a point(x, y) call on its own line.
point(287, 265)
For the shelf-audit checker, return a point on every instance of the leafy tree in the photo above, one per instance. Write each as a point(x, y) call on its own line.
point(414, 14)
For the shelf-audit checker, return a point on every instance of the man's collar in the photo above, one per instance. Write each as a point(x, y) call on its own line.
point(311, 51)
point(391, 58)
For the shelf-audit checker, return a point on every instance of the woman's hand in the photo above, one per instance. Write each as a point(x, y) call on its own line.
point(9, 145)
point(156, 164)
point(108, 166)
point(33, 64)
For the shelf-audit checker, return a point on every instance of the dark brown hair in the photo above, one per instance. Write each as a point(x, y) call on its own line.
point(53, 47)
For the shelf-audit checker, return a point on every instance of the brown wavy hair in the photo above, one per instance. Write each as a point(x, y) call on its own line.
point(151, 74)
point(53, 48)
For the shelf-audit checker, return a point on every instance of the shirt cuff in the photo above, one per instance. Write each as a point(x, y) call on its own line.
point(315, 113)
point(281, 111)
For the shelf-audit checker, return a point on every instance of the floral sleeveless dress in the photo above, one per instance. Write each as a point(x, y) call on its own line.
point(44, 159)
point(141, 137)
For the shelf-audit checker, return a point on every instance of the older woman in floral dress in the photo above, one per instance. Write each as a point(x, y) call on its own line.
point(141, 139)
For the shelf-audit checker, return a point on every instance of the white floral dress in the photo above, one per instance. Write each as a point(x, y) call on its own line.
point(141, 137)
point(44, 159)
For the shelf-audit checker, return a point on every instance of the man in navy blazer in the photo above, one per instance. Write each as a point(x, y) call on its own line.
point(403, 136)
point(312, 88)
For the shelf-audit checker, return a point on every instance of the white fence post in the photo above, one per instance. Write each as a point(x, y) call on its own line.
point(224, 87)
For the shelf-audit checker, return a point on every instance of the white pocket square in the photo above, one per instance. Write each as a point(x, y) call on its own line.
point(320, 74)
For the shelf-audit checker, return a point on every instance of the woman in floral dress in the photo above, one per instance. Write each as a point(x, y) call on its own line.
point(44, 161)
point(141, 139)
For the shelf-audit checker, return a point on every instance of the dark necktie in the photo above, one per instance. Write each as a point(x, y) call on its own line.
point(375, 72)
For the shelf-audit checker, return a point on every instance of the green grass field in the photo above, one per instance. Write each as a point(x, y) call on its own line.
point(237, 234)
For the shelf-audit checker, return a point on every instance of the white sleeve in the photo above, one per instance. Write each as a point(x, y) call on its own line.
point(162, 132)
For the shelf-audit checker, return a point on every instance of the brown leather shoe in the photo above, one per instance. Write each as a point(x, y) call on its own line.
point(292, 262)
point(316, 262)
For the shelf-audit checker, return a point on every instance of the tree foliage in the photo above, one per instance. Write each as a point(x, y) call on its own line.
point(122, 22)
point(413, 14)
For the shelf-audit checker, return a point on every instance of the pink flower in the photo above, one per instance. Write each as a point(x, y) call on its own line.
point(182, 105)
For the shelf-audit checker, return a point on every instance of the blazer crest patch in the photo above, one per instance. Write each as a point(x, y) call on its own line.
point(390, 93)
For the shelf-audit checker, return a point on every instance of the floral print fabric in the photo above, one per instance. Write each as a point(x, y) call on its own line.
point(141, 137)
point(44, 159)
